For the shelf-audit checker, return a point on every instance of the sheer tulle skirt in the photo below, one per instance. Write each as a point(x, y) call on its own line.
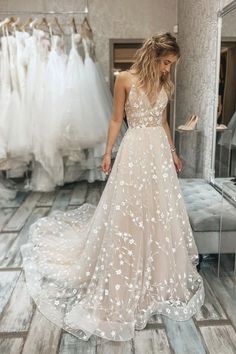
point(82, 124)
point(106, 270)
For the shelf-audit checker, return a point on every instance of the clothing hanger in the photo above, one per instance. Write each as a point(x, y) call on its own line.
point(3, 26)
point(33, 23)
point(43, 24)
point(27, 23)
point(86, 29)
point(5, 22)
point(8, 24)
point(15, 25)
point(73, 25)
point(58, 25)
point(86, 24)
point(53, 23)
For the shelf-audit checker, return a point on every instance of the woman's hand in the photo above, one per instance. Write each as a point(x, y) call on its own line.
point(177, 162)
point(106, 163)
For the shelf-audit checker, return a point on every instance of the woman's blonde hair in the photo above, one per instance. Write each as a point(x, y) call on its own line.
point(146, 64)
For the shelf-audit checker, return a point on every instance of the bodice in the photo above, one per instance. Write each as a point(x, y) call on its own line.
point(88, 45)
point(55, 42)
point(41, 43)
point(75, 40)
point(140, 113)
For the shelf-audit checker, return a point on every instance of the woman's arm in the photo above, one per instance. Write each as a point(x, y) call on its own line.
point(167, 128)
point(116, 119)
point(118, 112)
point(177, 161)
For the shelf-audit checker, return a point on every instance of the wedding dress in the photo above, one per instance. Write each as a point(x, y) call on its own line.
point(104, 90)
point(5, 96)
point(105, 270)
point(21, 38)
point(36, 58)
point(85, 124)
point(90, 168)
point(49, 154)
point(17, 143)
point(81, 125)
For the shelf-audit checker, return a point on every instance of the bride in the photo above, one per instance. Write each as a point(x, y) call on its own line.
point(106, 270)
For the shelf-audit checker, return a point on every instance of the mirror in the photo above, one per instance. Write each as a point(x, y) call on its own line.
point(225, 148)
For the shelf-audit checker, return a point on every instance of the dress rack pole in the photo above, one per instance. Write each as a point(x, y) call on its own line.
point(43, 12)
point(73, 12)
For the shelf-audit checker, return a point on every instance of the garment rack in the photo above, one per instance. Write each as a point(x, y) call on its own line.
point(20, 12)
point(44, 12)
point(29, 13)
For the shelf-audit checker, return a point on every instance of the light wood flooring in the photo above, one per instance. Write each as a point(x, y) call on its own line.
point(24, 330)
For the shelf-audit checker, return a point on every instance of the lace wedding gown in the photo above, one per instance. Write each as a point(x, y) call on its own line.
point(106, 270)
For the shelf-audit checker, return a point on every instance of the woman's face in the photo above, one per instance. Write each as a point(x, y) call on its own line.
point(166, 62)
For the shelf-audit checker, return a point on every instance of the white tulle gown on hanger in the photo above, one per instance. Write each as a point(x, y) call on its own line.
point(86, 119)
point(100, 90)
point(17, 136)
point(50, 155)
point(106, 270)
point(104, 89)
point(82, 126)
point(36, 56)
point(21, 67)
point(5, 95)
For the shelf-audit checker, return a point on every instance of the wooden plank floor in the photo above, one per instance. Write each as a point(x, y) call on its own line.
point(24, 330)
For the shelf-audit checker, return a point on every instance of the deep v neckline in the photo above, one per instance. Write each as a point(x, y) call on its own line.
point(148, 101)
point(140, 91)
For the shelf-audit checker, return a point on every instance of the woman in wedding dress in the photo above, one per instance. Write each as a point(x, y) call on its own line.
point(106, 270)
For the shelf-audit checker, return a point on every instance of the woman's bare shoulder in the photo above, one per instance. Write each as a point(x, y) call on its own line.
point(125, 78)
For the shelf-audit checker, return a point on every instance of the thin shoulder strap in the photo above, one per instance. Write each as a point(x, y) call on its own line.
point(133, 80)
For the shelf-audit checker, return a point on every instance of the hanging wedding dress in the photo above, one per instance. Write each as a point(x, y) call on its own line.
point(82, 125)
point(105, 90)
point(91, 168)
point(21, 67)
point(84, 120)
point(5, 96)
point(36, 55)
point(17, 137)
point(106, 270)
point(49, 154)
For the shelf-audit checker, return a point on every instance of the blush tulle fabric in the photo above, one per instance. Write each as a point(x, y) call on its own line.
point(106, 270)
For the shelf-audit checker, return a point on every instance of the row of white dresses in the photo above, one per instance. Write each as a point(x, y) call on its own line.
point(55, 108)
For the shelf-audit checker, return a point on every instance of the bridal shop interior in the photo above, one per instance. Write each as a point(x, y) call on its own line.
point(58, 64)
